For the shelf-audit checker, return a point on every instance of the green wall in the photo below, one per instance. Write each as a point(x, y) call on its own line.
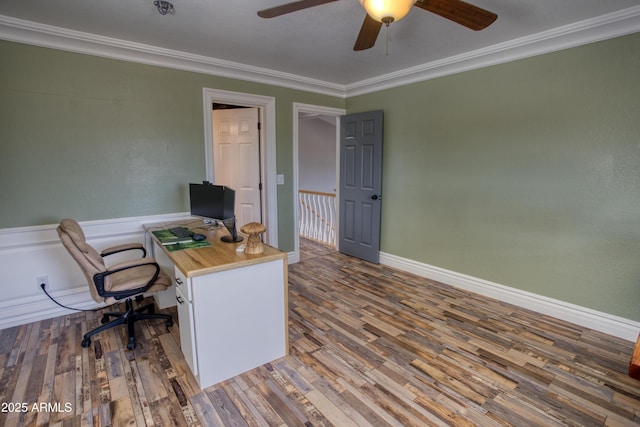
point(526, 174)
point(96, 138)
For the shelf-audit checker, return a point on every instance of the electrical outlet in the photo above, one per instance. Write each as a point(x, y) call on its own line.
point(43, 279)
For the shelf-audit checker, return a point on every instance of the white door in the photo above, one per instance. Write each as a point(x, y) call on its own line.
point(236, 159)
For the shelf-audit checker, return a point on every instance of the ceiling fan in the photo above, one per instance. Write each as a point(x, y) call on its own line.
point(457, 11)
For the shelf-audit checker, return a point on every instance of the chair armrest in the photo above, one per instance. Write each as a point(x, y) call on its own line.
point(124, 247)
point(99, 278)
point(133, 263)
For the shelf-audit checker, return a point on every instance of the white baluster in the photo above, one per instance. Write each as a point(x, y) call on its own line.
point(317, 216)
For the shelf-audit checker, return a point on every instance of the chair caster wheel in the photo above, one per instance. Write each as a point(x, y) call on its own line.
point(169, 323)
point(86, 342)
point(131, 344)
point(105, 319)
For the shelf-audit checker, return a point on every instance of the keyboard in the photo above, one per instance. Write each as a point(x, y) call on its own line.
point(181, 232)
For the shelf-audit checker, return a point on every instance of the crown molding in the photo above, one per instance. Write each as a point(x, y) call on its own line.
point(623, 22)
point(37, 34)
point(604, 27)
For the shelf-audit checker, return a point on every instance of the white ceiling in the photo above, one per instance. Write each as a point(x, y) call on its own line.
point(317, 43)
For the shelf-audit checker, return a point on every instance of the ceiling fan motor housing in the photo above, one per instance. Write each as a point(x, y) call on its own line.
point(387, 11)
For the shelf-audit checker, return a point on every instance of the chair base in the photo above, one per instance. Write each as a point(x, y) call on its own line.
point(129, 318)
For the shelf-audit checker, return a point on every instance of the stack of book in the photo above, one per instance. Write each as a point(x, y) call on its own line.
point(167, 237)
point(172, 242)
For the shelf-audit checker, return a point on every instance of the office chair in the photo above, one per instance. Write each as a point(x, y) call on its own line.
point(115, 283)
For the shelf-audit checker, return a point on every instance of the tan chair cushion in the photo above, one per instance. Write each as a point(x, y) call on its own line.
point(91, 263)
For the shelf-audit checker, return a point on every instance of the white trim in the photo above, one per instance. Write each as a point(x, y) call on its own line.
point(267, 105)
point(34, 308)
point(293, 257)
point(37, 34)
point(604, 27)
point(21, 238)
point(312, 109)
point(586, 317)
point(623, 22)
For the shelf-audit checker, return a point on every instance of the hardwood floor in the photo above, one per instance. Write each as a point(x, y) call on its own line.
point(370, 345)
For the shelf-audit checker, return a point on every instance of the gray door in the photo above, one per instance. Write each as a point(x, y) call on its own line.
point(360, 184)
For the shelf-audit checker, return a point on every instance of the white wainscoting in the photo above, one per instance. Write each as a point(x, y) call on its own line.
point(28, 252)
point(603, 322)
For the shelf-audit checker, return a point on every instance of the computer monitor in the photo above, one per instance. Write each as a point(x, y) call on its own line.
point(207, 200)
point(215, 202)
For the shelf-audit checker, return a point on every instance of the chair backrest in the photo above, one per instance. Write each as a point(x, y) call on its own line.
point(89, 260)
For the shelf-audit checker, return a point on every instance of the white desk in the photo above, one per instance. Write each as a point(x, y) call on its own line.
point(232, 307)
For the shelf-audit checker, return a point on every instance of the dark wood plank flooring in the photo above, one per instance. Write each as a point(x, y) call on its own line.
point(370, 345)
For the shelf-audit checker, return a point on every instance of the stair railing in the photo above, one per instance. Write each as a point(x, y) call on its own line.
point(318, 216)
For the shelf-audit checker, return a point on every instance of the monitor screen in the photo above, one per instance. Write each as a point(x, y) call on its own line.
point(229, 197)
point(211, 201)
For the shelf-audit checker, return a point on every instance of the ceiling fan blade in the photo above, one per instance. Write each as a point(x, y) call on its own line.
point(368, 34)
point(291, 7)
point(460, 12)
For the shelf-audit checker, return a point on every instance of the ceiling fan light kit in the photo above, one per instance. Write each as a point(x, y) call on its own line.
point(387, 11)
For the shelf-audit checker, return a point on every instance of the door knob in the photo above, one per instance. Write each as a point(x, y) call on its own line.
point(376, 197)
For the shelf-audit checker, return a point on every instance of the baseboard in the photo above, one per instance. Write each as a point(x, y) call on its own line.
point(40, 307)
point(292, 257)
point(592, 319)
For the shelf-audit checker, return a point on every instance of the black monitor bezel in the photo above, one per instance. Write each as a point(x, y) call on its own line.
point(211, 201)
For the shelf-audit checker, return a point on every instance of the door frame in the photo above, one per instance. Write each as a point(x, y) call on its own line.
point(325, 111)
point(267, 107)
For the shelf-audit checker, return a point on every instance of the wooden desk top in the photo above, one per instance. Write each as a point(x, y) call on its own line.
point(217, 257)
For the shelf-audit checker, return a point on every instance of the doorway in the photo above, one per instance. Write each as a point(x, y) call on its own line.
point(316, 174)
point(236, 157)
point(267, 149)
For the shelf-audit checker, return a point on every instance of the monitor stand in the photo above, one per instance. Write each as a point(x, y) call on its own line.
point(233, 237)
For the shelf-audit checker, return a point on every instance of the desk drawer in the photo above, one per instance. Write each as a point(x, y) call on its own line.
point(183, 283)
point(187, 332)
